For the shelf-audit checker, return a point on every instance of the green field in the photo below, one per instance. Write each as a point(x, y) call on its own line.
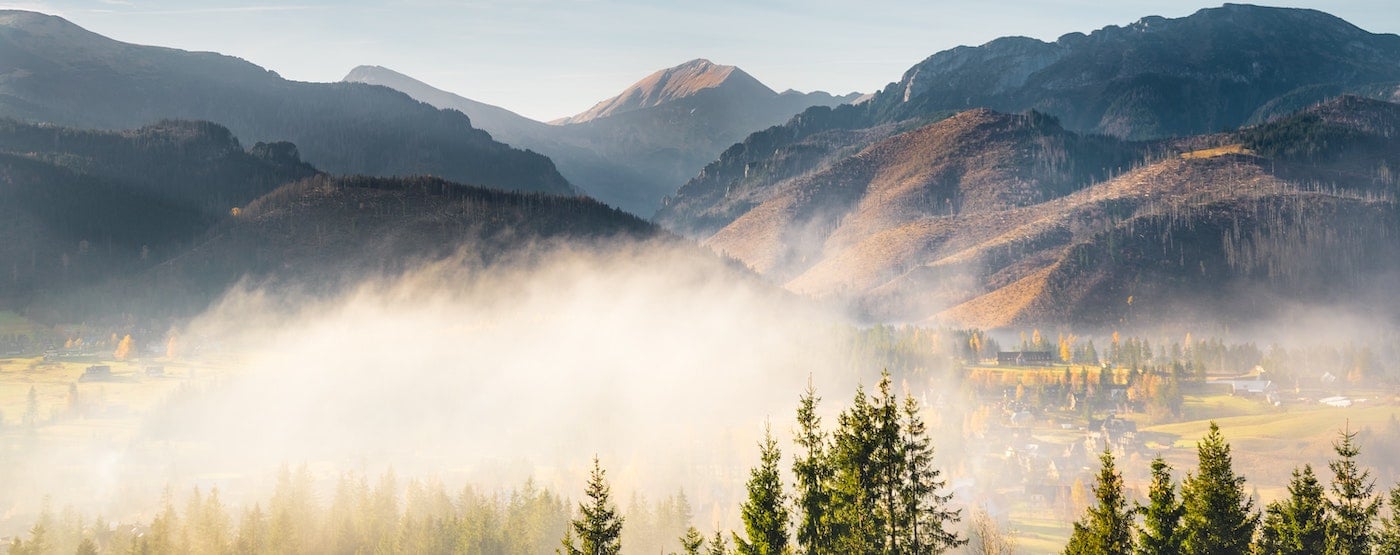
point(104, 403)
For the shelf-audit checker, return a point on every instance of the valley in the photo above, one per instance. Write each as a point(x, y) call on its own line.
point(994, 306)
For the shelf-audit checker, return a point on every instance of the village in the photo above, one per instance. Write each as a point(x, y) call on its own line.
point(1033, 440)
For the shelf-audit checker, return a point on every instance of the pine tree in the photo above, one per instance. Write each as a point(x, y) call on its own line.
point(889, 472)
point(1388, 539)
point(598, 525)
point(854, 528)
point(1354, 506)
point(38, 540)
point(692, 542)
point(87, 547)
point(1107, 528)
point(1296, 525)
point(718, 545)
point(765, 512)
point(926, 511)
point(1160, 532)
point(1219, 517)
point(812, 470)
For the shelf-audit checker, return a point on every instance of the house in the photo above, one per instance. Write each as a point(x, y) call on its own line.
point(100, 373)
point(1024, 358)
point(1250, 387)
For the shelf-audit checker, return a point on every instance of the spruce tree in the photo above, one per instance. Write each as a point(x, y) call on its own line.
point(1219, 517)
point(718, 545)
point(1107, 526)
point(1296, 525)
point(598, 525)
point(1388, 538)
point(692, 541)
point(889, 472)
point(854, 526)
point(925, 508)
point(765, 512)
point(812, 470)
point(1354, 505)
point(1160, 531)
point(86, 547)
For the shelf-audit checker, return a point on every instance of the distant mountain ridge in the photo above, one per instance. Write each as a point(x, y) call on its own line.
point(160, 221)
point(671, 84)
point(78, 207)
point(1156, 77)
point(635, 149)
point(54, 71)
point(1216, 69)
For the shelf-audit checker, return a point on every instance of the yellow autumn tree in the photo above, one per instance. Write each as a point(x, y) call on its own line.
point(123, 348)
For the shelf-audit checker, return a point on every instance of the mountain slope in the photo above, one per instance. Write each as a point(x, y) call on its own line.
point(633, 150)
point(1156, 77)
point(54, 71)
point(78, 207)
point(676, 83)
point(991, 220)
point(323, 234)
point(975, 162)
point(1216, 69)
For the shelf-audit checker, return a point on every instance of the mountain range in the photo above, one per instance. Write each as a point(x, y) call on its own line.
point(634, 149)
point(1223, 166)
point(161, 220)
point(56, 72)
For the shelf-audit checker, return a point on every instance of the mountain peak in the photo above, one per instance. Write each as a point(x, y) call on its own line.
point(36, 27)
point(365, 73)
point(674, 83)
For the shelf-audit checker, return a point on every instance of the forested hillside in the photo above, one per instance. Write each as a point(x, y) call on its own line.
point(54, 71)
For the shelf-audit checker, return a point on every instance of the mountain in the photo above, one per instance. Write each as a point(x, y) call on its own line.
point(633, 150)
point(54, 71)
point(975, 162)
point(1216, 69)
point(79, 206)
point(677, 83)
point(991, 219)
point(323, 234)
point(1156, 77)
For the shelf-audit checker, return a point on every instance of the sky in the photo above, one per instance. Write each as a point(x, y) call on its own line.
point(547, 59)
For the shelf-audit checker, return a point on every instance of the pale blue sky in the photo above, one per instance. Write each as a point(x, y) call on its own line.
point(551, 58)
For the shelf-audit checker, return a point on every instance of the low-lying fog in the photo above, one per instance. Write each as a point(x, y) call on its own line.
point(662, 363)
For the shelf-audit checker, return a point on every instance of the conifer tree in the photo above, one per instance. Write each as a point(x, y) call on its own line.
point(1354, 504)
point(925, 508)
point(692, 542)
point(887, 455)
point(854, 525)
point(86, 547)
point(1219, 517)
point(812, 470)
point(1296, 525)
point(598, 525)
point(718, 545)
point(1107, 527)
point(765, 512)
point(1388, 538)
point(1160, 531)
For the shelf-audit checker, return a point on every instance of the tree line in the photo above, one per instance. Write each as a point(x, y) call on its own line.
point(1209, 512)
point(867, 486)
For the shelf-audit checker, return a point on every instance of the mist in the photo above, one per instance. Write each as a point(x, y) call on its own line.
point(663, 363)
